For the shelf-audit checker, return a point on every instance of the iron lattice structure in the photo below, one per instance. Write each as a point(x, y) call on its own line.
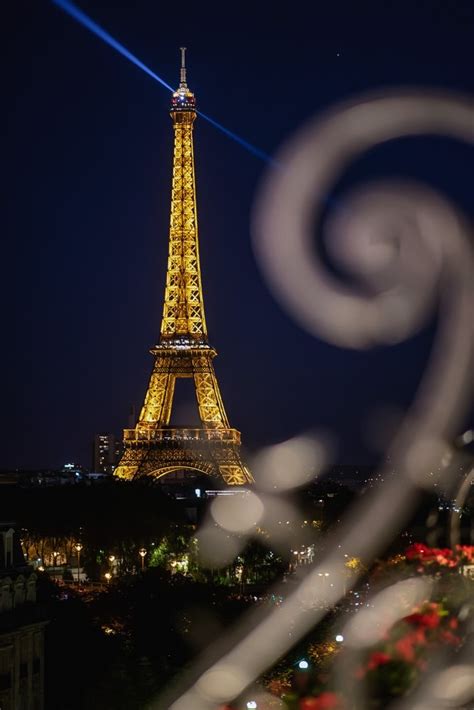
point(154, 448)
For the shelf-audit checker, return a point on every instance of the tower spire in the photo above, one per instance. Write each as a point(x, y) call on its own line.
point(182, 77)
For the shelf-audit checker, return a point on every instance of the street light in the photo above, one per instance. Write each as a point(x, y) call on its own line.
point(78, 548)
point(108, 577)
point(142, 553)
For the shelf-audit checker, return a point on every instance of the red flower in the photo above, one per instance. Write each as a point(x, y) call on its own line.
point(431, 621)
point(405, 646)
point(465, 552)
point(441, 555)
point(416, 551)
point(378, 658)
point(444, 551)
point(329, 701)
point(405, 649)
point(325, 701)
point(309, 704)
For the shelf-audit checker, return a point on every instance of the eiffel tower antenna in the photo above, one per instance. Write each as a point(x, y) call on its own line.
point(154, 448)
point(182, 77)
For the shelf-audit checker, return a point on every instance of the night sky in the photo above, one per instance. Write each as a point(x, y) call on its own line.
point(88, 174)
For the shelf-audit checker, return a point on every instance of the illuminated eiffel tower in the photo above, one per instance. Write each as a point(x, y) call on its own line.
point(154, 448)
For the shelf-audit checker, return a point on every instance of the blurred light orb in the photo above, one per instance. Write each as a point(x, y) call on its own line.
point(292, 463)
point(424, 460)
point(388, 606)
point(468, 436)
point(222, 682)
point(238, 513)
point(216, 550)
point(455, 685)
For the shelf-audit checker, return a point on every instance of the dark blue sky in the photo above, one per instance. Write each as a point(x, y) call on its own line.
point(88, 170)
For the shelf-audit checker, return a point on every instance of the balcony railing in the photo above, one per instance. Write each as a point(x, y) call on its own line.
point(227, 436)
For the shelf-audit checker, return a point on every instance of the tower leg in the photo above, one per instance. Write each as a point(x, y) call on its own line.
point(211, 407)
point(159, 396)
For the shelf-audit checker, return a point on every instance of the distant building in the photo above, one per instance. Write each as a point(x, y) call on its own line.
point(72, 473)
point(106, 454)
point(68, 475)
point(21, 628)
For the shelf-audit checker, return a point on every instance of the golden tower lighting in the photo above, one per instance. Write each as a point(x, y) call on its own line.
point(154, 448)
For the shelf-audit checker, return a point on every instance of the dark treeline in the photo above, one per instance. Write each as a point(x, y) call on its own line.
point(110, 507)
point(119, 648)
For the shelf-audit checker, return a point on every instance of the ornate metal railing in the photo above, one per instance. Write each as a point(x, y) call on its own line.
point(413, 249)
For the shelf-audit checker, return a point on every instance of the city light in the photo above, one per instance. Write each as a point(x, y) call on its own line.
point(339, 638)
point(142, 553)
point(78, 548)
point(303, 665)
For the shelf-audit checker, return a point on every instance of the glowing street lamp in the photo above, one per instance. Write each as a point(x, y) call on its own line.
point(108, 577)
point(142, 553)
point(78, 548)
point(302, 676)
point(111, 564)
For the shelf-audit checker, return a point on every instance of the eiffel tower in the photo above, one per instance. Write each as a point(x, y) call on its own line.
point(154, 448)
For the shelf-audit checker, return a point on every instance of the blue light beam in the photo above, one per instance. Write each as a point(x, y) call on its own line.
point(87, 22)
point(245, 144)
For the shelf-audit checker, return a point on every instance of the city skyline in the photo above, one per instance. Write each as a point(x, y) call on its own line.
point(89, 257)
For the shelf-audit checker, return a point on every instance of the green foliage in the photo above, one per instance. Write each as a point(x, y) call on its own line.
point(391, 680)
point(160, 554)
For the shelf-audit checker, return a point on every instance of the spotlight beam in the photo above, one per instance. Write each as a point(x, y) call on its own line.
point(77, 14)
point(245, 144)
